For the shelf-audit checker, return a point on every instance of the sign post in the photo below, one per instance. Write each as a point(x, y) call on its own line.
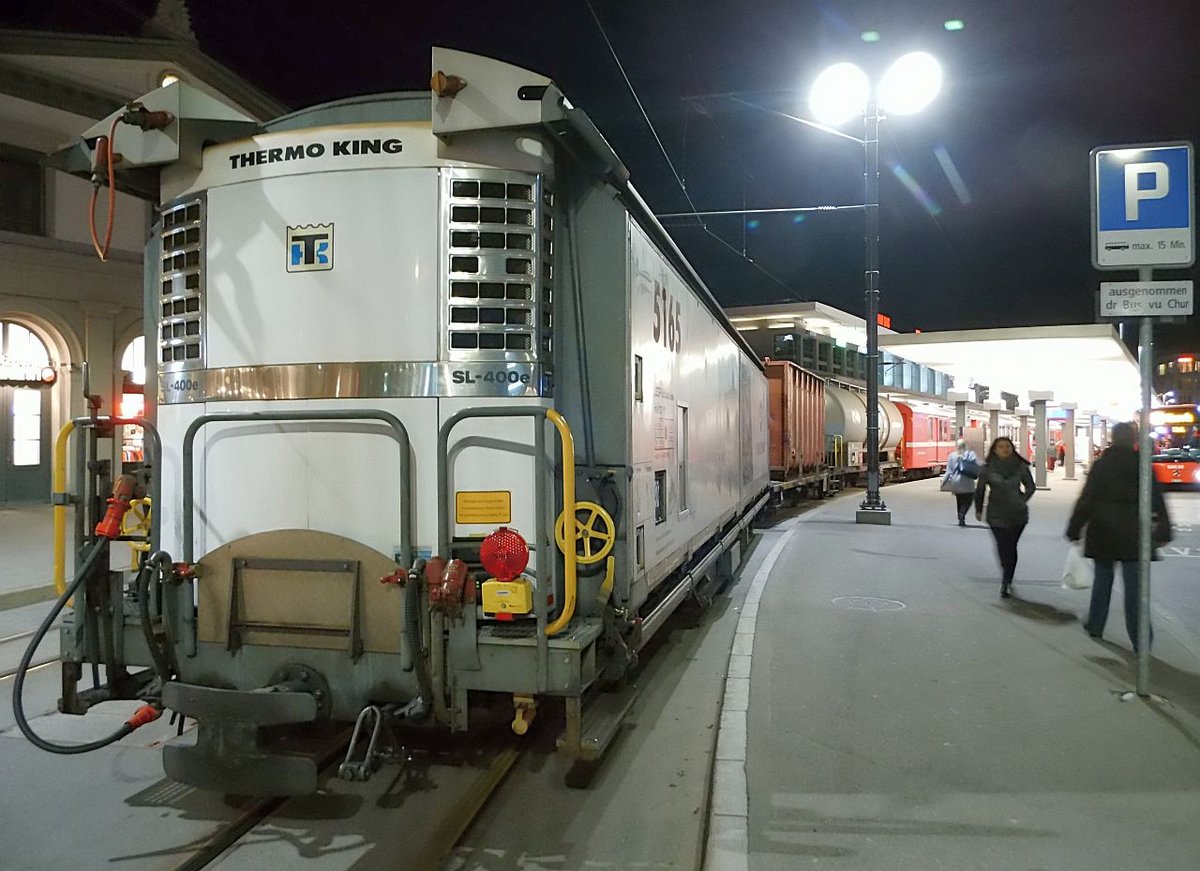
point(1143, 216)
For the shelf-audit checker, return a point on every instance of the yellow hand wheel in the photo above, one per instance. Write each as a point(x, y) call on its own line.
point(595, 532)
point(136, 520)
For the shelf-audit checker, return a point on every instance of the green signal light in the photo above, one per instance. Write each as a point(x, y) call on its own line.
point(869, 36)
point(954, 24)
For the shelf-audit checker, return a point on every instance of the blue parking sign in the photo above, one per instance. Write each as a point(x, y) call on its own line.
point(1143, 213)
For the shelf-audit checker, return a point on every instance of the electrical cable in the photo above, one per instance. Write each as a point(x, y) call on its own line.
point(100, 547)
point(792, 293)
point(152, 565)
point(641, 108)
point(581, 345)
point(102, 251)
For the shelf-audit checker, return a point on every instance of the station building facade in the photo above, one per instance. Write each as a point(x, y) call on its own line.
point(59, 304)
point(1177, 379)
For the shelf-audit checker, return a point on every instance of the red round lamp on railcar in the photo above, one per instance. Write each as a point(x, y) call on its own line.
point(504, 555)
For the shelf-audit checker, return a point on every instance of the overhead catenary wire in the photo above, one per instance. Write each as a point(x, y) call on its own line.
point(678, 179)
point(641, 108)
point(858, 207)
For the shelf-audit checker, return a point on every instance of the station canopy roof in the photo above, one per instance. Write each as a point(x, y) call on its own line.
point(815, 317)
point(1086, 364)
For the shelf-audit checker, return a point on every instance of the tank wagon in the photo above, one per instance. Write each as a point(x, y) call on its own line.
point(447, 422)
point(818, 433)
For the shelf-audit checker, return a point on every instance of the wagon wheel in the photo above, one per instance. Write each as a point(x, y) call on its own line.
point(595, 532)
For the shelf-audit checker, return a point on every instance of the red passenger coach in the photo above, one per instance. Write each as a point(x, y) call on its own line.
point(928, 440)
point(797, 411)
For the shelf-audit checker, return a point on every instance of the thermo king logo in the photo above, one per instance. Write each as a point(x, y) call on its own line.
point(310, 247)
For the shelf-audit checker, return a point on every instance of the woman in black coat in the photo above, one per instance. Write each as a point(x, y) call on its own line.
point(1006, 474)
point(1108, 508)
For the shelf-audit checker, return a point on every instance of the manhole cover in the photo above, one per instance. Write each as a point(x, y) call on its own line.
point(868, 603)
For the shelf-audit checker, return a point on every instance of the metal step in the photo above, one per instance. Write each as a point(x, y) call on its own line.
point(602, 719)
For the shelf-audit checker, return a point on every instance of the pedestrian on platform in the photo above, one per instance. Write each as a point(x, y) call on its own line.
point(1062, 453)
point(962, 471)
point(1006, 475)
point(1107, 512)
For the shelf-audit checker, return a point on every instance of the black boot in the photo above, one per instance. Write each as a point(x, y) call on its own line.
point(1005, 592)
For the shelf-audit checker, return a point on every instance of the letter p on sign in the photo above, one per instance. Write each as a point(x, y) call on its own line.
point(1134, 193)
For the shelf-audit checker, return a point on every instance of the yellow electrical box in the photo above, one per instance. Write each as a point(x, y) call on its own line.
point(507, 597)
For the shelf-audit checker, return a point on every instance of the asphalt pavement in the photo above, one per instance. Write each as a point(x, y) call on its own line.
point(902, 715)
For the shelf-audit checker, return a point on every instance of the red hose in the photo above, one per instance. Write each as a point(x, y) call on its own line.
point(102, 251)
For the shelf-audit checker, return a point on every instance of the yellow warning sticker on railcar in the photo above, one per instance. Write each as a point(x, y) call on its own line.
point(483, 506)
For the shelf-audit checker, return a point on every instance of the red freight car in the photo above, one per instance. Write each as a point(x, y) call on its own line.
point(797, 414)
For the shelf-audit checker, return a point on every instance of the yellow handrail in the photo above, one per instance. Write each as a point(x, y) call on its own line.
point(568, 493)
point(59, 485)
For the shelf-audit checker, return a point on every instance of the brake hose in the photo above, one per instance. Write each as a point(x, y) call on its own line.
point(145, 714)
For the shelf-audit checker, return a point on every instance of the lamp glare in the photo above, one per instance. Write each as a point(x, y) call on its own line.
point(839, 94)
point(910, 84)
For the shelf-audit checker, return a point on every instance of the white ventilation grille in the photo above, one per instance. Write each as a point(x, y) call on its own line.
point(181, 275)
point(499, 250)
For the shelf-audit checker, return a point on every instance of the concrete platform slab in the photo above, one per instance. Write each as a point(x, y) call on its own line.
point(955, 729)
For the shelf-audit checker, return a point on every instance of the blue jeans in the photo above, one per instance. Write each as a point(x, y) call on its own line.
point(1102, 594)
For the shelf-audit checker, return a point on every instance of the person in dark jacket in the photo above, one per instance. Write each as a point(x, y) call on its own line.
point(1108, 510)
point(1006, 474)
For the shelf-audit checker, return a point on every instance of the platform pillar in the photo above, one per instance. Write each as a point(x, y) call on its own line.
point(1041, 435)
point(1069, 440)
point(959, 398)
point(993, 421)
point(1091, 429)
point(1023, 415)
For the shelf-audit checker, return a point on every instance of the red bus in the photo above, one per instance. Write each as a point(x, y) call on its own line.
point(1176, 430)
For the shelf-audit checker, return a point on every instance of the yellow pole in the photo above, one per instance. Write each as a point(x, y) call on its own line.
point(60, 510)
point(568, 491)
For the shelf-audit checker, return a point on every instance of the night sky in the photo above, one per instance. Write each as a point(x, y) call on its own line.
point(1031, 87)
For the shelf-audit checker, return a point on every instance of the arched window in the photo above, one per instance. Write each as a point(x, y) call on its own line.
point(21, 349)
point(133, 398)
point(133, 360)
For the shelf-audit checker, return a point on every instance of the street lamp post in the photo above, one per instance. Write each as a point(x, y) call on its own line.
point(872, 509)
point(840, 93)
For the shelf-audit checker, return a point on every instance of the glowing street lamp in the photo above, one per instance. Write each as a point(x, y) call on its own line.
point(838, 94)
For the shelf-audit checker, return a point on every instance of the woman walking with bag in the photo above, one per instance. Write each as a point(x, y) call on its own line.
point(1006, 474)
point(1106, 516)
point(962, 470)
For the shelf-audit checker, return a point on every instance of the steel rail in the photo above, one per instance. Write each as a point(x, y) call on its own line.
point(441, 841)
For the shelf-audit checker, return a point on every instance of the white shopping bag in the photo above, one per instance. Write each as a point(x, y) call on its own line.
point(1077, 573)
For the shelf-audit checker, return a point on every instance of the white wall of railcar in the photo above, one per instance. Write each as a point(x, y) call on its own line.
point(689, 361)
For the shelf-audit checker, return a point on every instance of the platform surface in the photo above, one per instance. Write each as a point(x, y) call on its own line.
point(901, 715)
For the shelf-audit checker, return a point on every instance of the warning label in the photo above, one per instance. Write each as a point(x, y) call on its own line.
point(483, 506)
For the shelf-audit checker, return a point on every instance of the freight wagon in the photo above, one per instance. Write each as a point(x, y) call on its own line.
point(444, 425)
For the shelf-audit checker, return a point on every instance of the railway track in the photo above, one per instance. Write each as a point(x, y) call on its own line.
point(410, 828)
point(11, 649)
